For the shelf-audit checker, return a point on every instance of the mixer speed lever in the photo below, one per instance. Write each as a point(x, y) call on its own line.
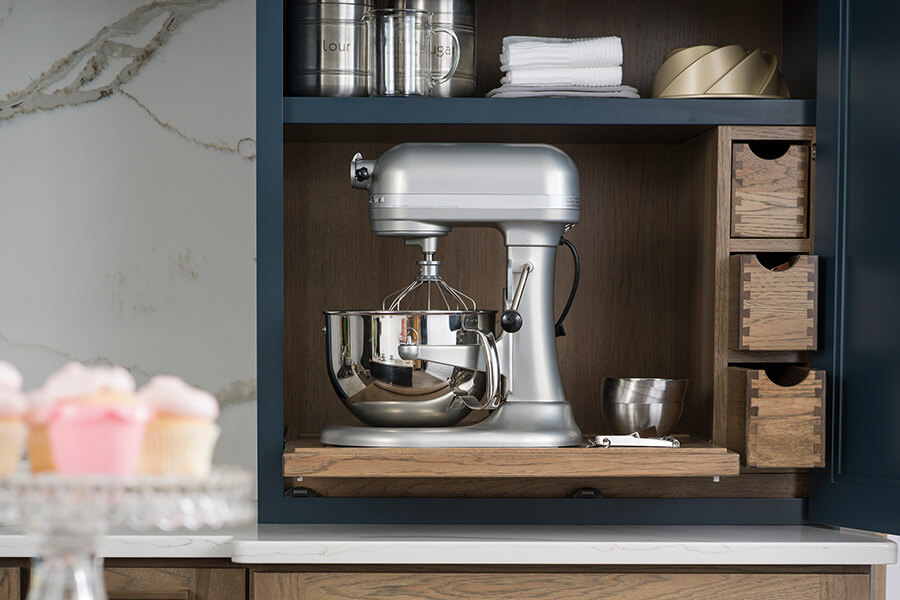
point(511, 319)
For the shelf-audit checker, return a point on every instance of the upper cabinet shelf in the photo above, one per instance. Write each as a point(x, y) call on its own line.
point(547, 111)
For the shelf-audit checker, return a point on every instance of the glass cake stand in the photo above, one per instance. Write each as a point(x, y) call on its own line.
point(69, 514)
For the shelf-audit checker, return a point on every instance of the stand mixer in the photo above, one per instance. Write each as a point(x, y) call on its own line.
point(420, 192)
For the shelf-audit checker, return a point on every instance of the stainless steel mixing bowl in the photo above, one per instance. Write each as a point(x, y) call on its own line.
point(383, 390)
point(635, 404)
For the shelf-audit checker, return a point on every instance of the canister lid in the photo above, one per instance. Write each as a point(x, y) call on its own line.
point(445, 11)
point(365, 3)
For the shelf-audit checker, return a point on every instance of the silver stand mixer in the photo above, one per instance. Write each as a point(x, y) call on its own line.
point(420, 192)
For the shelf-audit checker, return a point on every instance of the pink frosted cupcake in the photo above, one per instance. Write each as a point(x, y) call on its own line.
point(12, 418)
point(181, 439)
point(95, 424)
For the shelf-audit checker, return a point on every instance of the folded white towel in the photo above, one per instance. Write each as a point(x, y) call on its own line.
point(561, 76)
point(529, 51)
point(539, 91)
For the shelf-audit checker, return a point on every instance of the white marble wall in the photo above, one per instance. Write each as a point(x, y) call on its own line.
point(127, 194)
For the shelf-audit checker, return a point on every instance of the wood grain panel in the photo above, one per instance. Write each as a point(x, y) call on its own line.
point(771, 133)
point(175, 583)
point(697, 191)
point(631, 317)
point(554, 586)
point(751, 245)
point(770, 197)
point(773, 310)
point(276, 586)
point(754, 485)
point(305, 457)
point(772, 356)
point(10, 584)
point(721, 305)
point(649, 29)
point(845, 587)
point(777, 424)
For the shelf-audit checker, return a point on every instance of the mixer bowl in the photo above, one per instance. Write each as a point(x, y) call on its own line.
point(383, 390)
point(635, 404)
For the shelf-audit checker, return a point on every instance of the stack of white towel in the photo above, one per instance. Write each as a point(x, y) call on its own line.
point(540, 66)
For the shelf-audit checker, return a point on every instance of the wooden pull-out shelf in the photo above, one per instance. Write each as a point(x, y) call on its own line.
point(307, 457)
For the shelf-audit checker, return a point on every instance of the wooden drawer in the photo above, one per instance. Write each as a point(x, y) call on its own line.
point(558, 586)
point(773, 308)
point(770, 192)
point(777, 418)
point(160, 583)
point(10, 583)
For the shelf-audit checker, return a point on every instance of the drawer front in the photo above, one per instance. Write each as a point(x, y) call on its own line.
point(770, 196)
point(780, 423)
point(557, 586)
point(773, 309)
point(10, 583)
point(151, 583)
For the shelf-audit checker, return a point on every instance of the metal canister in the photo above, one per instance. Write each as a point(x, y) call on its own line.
point(459, 16)
point(325, 47)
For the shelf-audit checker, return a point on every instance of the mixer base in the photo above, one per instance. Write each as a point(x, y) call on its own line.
point(512, 425)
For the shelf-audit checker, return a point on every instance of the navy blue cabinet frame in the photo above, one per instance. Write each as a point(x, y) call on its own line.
point(857, 212)
point(274, 112)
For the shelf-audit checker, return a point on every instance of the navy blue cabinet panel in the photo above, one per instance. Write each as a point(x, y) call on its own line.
point(857, 213)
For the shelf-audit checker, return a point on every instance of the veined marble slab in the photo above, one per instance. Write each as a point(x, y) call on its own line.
point(546, 545)
point(127, 194)
point(207, 544)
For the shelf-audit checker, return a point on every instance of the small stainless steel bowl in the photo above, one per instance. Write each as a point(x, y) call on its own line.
point(634, 404)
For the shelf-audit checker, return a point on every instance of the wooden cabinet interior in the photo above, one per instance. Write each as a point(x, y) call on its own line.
point(655, 245)
point(633, 315)
point(651, 28)
point(655, 236)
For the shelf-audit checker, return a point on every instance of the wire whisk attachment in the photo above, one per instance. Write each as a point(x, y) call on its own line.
point(428, 291)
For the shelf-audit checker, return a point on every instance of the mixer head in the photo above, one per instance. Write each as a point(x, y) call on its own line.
point(428, 291)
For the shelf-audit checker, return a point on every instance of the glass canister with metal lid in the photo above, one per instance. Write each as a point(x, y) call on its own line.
point(458, 16)
point(325, 47)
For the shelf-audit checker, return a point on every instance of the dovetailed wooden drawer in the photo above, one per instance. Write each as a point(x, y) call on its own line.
point(773, 307)
point(770, 192)
point(777, 418)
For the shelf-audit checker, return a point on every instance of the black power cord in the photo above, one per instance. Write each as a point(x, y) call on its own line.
point(560, 330)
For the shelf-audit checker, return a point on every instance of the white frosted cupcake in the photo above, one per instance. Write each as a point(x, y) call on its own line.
point(183, 436)
point(39, 456)
point(13, 430)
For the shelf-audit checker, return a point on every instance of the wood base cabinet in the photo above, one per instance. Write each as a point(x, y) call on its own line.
point(175, 583)
point(10, 583)
point(560, 586)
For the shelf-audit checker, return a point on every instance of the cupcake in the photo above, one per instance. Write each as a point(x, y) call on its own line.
point(95, 424)
point(12, 418)
point(39, 455)
point(181, 439)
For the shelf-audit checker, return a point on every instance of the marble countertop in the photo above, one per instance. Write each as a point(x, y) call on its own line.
point(391, 544)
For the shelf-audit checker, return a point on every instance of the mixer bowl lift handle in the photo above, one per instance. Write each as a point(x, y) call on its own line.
point(465, 356)
point(493, 393)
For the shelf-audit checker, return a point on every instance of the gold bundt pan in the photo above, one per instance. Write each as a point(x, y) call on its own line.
point(719, 72)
